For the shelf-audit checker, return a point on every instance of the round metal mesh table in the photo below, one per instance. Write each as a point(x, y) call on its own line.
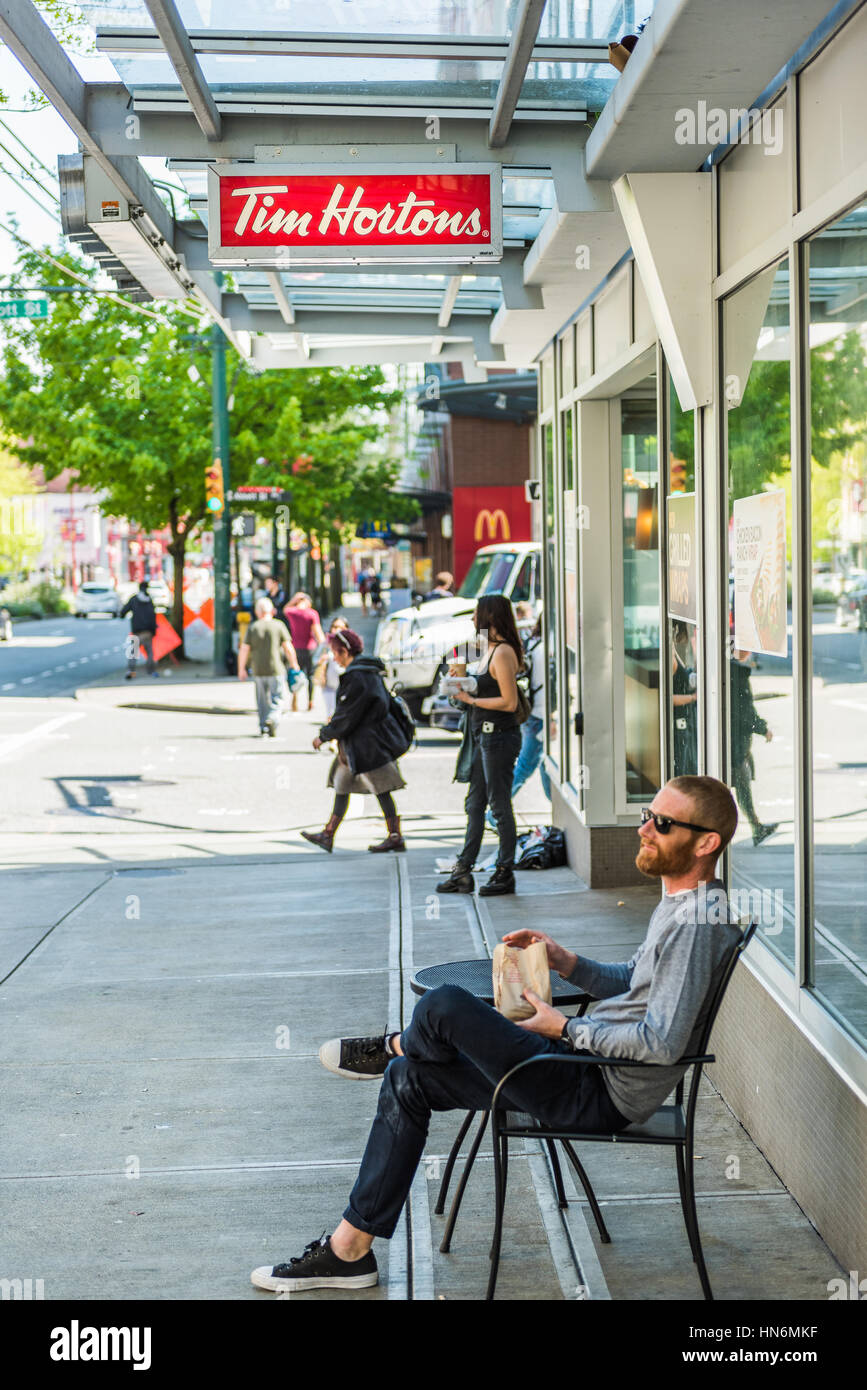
point(475, 976)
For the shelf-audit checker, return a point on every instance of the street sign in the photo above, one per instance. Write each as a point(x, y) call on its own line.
point(252, 494)
point(23, 308)
point(266, 213)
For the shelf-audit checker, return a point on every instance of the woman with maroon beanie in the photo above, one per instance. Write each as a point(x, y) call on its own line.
point(369, 740)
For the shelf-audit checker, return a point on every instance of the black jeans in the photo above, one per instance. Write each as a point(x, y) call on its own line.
point(456, 1050)
point(494, 758)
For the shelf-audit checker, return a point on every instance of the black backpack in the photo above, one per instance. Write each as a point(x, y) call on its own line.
point(399, 711)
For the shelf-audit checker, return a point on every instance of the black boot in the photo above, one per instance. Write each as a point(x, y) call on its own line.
point(502, 881)
point(459, 881)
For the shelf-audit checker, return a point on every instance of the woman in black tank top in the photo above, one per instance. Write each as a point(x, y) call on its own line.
point(492, 732)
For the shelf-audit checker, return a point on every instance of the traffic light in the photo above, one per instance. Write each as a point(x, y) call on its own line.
point(214, 499)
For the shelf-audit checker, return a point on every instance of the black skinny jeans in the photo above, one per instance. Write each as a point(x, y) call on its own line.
point(494, 758)
point(456, 1049)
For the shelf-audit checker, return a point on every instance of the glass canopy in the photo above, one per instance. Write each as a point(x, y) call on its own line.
point(370, 52)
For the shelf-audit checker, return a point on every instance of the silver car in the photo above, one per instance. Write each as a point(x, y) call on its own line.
point(97, 597)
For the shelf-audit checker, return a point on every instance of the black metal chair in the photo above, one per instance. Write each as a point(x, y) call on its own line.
point(671, 1125)
point(475, 976)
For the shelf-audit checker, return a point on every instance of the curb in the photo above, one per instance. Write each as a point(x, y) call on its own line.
point(185, 709)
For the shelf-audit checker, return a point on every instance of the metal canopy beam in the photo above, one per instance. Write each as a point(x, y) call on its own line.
point(554, 148)
point(284, 304)
point(174, 39)
point(370, 323)
point(512, 80)
point(509, 271)
point(446, 47)
point(449, 299)
point(25, 32)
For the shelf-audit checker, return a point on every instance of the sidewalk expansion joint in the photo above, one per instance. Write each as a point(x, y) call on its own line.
point(95, 889)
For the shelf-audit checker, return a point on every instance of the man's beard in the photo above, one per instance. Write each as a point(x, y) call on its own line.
point(657, 861)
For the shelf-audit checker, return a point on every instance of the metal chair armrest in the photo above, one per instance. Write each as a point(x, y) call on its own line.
point(590, 1061)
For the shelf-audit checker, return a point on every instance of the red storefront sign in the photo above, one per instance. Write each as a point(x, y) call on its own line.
point(277, 213)
point(487, 516)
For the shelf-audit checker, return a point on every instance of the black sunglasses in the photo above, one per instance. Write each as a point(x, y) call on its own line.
point(664, 823)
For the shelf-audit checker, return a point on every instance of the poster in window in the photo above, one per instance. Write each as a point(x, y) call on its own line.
point(759, 566)
point(682, 557)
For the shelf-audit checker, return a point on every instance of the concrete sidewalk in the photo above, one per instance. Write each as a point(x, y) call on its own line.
point(160, 1044)
point(172, 954)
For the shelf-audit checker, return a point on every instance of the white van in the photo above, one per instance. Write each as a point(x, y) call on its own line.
point(415, 643)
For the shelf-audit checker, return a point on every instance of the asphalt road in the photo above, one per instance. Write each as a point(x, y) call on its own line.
point(56, 655)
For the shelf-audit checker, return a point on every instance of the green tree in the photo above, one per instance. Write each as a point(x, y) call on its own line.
point(759, 428)
point(107, 391)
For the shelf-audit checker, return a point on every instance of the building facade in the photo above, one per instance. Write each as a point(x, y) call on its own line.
point(701, 448)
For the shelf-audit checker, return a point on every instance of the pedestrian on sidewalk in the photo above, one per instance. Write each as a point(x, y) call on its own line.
point(328, 672)
point(264, 646)
point(532, 748)
point(746, 721)
point(277, 594)
point(307, 635)
point(490, 747)
point(143, 625)
point(369, 740)
point(443, 588)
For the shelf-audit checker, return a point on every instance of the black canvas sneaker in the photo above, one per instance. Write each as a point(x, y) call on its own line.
point(317, 1268)
point(359, 1059)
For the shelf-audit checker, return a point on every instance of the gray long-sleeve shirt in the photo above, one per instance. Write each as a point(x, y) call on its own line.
point(654, 1006)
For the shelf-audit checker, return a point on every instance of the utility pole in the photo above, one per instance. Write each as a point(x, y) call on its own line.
point(222, 524)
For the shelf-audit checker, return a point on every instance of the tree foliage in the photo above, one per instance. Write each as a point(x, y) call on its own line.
point(107, 391)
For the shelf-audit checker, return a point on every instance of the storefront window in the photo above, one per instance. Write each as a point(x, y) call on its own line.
point(683, 611)
point(838, 470)
point(552, 735)
point(757, 350)
point(640, 465)
point(571, 537)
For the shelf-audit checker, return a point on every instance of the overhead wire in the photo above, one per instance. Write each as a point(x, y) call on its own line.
point(49, 212)
point(126, 303)
point(35, 157)
point(29, 172)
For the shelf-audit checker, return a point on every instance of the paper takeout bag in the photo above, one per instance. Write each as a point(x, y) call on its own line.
point(516, 970)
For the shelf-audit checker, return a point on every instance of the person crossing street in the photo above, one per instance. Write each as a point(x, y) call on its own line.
point(265, 645)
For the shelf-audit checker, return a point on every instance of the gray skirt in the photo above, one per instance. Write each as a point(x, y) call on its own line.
point(380, 779)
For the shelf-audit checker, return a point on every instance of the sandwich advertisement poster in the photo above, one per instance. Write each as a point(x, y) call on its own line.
point(759, 562)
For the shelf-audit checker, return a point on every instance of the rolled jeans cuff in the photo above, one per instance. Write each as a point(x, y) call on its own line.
point(369, 1228)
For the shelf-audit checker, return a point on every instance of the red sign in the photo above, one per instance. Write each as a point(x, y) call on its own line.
point(367, 213)
point(487, 516)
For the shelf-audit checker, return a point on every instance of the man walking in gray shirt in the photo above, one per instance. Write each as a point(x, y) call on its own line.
point(456, 1048)
point(264, 646)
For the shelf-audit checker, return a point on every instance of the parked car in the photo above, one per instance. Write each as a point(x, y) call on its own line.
point(95, 597)
point(415, 643)
point(852, 605)
point(443, 715)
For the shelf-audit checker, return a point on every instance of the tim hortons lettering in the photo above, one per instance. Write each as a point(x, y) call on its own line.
point(322, 210)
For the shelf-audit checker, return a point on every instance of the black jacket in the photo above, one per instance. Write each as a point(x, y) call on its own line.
point(142, 614)
point(368, 732)
point(745, 718)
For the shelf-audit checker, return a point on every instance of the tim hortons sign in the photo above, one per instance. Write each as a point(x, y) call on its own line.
point(288, 214)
